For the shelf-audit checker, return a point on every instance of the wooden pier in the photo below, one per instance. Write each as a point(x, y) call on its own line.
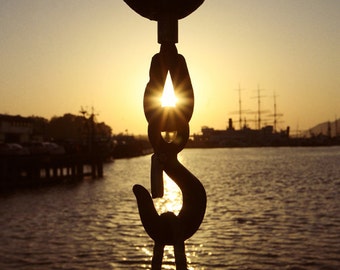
point(29, 171)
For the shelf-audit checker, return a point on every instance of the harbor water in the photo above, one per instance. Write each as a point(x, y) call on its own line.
point(268, 208)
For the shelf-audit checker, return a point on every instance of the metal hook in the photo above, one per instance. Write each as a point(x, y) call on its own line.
point(167, 228)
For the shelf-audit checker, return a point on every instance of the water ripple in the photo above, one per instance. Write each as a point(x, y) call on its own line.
point(268, 208)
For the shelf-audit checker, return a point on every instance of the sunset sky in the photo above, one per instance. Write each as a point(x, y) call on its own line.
point(59, 55)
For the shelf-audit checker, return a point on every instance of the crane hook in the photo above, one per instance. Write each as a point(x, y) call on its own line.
point(167, 228)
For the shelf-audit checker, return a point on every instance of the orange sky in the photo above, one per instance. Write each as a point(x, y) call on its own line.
point(57, 56)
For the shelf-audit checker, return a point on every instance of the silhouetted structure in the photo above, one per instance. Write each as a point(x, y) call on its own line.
point(18, 171)
point(29, 158)
point(244, 137)
point(127, 146)
point(266, 136)
point(15, 129)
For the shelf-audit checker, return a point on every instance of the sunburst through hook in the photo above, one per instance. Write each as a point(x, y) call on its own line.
point(168, 228)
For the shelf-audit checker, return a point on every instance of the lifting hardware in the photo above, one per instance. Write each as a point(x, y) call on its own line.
point(167, 228)
point(166, 13)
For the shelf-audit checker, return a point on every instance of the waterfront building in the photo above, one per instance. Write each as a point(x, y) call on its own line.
point(15, 128)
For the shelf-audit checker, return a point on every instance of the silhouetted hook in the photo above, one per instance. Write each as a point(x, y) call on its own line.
point(167, 228)
point(163, 228)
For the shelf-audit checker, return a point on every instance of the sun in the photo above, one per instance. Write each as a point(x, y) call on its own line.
point(169, 98)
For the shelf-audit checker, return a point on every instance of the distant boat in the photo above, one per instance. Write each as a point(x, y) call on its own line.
point(244, 137)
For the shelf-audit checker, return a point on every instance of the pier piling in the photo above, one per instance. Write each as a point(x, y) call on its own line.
point(21, 171)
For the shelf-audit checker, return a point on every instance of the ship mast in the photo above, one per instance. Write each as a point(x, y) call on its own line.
point(239, 105)
point(276, 115)
point(259, 107)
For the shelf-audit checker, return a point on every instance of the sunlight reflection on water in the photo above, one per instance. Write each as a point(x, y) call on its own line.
point(268, 208)
point(172, 199)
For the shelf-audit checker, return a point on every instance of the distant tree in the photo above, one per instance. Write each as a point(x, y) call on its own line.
point(39, 126)
point(103, 131)
point(77, 128)
point(68, 127)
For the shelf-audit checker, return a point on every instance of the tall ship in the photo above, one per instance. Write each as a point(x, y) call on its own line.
point(245, 137)
point(264, 134)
